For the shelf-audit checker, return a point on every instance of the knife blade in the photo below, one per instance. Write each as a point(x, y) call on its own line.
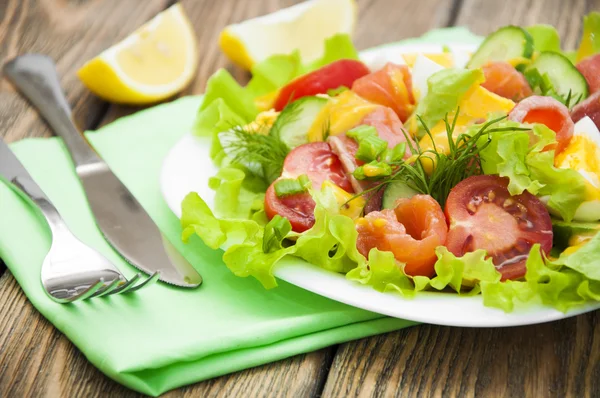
point(122, 220)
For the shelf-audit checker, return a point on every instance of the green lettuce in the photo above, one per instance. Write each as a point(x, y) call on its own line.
point(237, 193)
point(518, 155)
point(461, 274)
point(446, 89)
point(227, 104)
point(565, 283)
point(545, 37)
point(330, 243)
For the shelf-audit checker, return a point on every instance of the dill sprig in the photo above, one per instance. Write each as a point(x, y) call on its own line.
point(461, 162)
point(261, 154)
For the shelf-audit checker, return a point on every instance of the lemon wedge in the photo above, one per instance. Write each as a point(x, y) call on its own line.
point(303, 27)
point(155, 62)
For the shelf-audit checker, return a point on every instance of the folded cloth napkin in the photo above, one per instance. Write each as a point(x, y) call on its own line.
point(164, 337)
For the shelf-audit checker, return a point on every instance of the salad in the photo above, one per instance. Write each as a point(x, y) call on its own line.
point(459, 175)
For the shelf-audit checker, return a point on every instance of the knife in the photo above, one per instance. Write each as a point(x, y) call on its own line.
point(123, 221)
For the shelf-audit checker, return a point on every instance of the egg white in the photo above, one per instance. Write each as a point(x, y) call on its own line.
point(421, 71)
point(589, 210)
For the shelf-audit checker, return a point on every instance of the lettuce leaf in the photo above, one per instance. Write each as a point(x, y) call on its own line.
point(552, 283)
point(385, 274)
point(227, 104)
point(545, 37)
point(330, 243)
point(446, 88)
point(512, 154)
point(237, 194)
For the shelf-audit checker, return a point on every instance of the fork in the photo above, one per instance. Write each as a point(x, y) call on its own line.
point(72, 270)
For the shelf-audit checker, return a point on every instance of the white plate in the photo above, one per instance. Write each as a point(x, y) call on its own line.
point(188, 167)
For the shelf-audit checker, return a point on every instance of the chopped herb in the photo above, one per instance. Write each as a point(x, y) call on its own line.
point(332, 92)
point(370, 146)
point(461, 162)
point(291, 186)
point(262, 155)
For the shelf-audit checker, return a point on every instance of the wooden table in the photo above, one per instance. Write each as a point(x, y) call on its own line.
point(555, 359)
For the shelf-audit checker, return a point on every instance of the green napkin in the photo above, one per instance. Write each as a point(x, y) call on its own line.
point(164, 337)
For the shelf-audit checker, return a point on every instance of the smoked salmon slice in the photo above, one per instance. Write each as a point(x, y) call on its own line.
point(503, 79)
point(390, 86)
point(548, 111)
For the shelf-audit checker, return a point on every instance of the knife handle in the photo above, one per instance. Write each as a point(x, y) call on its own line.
point(34, 75)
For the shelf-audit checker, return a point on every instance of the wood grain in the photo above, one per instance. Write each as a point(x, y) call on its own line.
point(560, 359)
point(71, 33)
point(36, 360)
point(554, 359)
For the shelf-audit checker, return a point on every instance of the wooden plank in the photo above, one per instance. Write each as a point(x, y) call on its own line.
point(553, 359)
point(36, 360)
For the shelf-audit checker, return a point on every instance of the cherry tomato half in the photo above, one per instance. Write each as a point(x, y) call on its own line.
point(319, 163)
point(339, 73)
point(483, 215)
point(411, 231)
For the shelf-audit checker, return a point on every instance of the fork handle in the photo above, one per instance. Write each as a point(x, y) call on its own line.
point(28, 187)
point(34, 75)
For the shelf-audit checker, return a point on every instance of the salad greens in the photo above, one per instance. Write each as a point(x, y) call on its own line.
point(445, 90)
point(510, 154)
point(253, 244)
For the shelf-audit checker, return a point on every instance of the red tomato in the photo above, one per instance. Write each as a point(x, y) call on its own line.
point(548, 111)
point(298, 209)
point(503, 79)
point(339, 73)
point(390, 86)
point(483, 215)
point(319, 163)
point(411, 231)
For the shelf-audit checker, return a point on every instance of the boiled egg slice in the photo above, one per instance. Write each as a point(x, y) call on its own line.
point(583, 155)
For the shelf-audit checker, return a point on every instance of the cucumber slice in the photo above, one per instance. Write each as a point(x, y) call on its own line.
point(295, 120)
point(395, 191)
point(504, 44)
point(564, 231)
point(563, 75)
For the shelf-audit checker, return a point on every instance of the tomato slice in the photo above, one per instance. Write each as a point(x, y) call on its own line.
point(483, 215)
point(390, 86)
point(503, 79)
point(411, 231)
point(298, 209)
point(319, 163)
point(548, 111)
point(339, 73)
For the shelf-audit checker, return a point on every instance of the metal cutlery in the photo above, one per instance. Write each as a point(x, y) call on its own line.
point(123, 221)
point(71, 270)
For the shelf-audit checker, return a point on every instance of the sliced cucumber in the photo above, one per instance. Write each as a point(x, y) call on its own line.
point(506, 43)
point(395, 191)
point(563, 75)
point(295, 120)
